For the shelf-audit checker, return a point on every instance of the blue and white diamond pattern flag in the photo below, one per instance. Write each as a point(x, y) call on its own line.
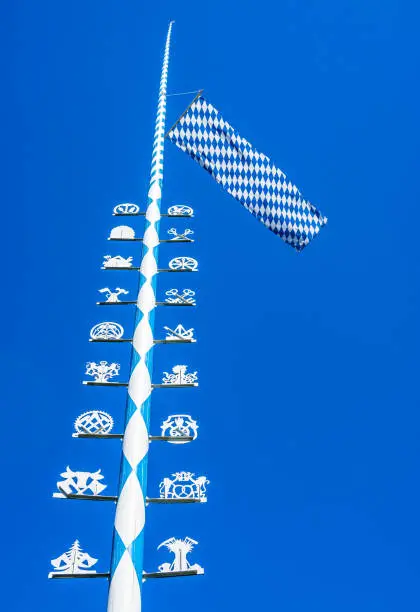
point(249, 176)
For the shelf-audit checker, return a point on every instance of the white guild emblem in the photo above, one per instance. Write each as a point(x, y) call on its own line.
point(186, 297)
point(117, 262)
point(75, 561)
point(175, 236)
point(94, 422)
point(179, 426)
point(179, 376)
point(122, 232)
point(184, 486)
point(180, 550)
point(126, 209)
point(183, 263)
point(79, 483)
point(179, 333)
point(102, 371)
point(180, 210)
point(112, 296)
point(108, 330)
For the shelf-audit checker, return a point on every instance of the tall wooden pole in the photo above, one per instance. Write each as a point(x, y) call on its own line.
point(128, 545)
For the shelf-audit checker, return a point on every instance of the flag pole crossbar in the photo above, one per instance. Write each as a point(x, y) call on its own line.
point(164, 341)
point(84, 575)
point(114, 498)
point(178, 574)
point(180, 240)
point(137, 269)
point(126, 303)
point(146, 575)
point(142, 214)
point(97, 383)
point(108, 436)
point(97, 436)
point(175, 338)
point(104, 498)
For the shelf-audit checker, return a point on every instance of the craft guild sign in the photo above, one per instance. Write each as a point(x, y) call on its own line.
point(102, 371)
point(179, 426)
point(75, 561)
point(183, 485)
point(180, 550)
point(112, 296)
point(80, 483)
point(94, 422)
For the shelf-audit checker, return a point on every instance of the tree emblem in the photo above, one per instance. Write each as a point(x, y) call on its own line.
point(126, 209)
point(180, 550)
point(180, 210)
point(179, 376)
point(102, 371)
point(112, 296)
point(179, 426)
point(183, 263)
point(75, 561)
point(79, 483)
point(108, 330)
point(175, 297)
point(94, 422)
point(184, 486)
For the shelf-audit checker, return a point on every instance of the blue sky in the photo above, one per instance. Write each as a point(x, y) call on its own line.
point(308, 398)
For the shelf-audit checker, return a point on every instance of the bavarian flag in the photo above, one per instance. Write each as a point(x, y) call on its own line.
point(249, 176)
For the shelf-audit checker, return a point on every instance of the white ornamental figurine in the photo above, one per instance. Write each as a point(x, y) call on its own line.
point(112, 296)
point(107, 330)
point(79, 483)
point(180, 550)
point(184, 236)
point(122, 232)
point(175, 297)
point(179, 333)
point(94, 422)
point(179, 426)
point(184, 263)
point(126, 209)
point(75, 561)
point(117, 262)
point(184, 486)
point(102, 371)
point(180, 376)
point(180, 210)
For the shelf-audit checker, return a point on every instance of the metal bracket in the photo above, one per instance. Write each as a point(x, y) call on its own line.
point(121, 436)
point(138, 269)
point(64, 495)
point(142, 214)
point(86, 575)
point(163, 500)
point(135, 302)
point(172, 574)
point(95, 383)
point(164, 341)
point(177, 386)
point(180, 240)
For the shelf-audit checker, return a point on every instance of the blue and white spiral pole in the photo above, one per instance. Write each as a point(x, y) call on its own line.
point(127, 554)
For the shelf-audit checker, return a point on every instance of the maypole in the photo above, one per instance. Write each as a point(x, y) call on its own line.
point(128, 546)
point(127, 573)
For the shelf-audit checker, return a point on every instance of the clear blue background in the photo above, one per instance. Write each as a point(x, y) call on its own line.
point(308, 399)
